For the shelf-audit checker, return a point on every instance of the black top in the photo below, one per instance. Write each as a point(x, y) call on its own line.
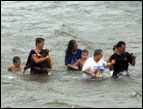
point(30, 62)
point(122, 62)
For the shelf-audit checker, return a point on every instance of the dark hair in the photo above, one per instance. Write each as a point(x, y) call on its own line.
point(84, 51)
point(120, 43)
point(97, 52)
point(15, 59)
point(114, 47)
point(44, 52)
point(70, 46)
point(39, 40)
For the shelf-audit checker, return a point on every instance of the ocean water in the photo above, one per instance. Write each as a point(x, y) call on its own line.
point(93, 24)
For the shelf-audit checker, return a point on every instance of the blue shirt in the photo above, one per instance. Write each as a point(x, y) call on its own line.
point(72, 58)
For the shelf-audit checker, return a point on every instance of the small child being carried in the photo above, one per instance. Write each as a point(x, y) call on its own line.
point(81, 61)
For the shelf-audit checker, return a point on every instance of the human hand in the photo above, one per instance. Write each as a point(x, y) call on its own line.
point(134, 56)
point(75, 67)
point(93, 75)
point(113, 61)
point(98, 74)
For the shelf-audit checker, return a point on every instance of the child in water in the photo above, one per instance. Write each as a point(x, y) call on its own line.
point(16, 65)
point(81, 61)
point(114, 51)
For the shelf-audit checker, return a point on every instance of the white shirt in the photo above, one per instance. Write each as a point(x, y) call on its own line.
point(92, 66)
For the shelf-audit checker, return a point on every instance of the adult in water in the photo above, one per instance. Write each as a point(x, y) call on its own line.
point(122, 59)
point(73, 53)
point(33, 62)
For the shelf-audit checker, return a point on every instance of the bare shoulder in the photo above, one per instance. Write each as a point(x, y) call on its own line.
point(11, 67)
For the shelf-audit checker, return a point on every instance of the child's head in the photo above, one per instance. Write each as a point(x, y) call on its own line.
point(16, 61)
point(115, 48)
point(84, 54)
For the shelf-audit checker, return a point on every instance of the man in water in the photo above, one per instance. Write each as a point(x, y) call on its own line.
point(95, 65)
point(122, 59)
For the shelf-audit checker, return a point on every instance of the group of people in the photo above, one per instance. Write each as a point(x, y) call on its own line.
point(78, 60)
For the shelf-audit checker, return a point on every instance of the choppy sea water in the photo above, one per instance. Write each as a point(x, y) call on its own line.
point(94, 24)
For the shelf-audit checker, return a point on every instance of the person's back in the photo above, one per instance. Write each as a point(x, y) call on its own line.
point(16, 65)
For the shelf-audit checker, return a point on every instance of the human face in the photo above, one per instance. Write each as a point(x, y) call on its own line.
point(75, 46)
point(41, 45)
point(115, 51)
point(17, 63)
point(99, 56)
point(122, 48)
point(84, 55)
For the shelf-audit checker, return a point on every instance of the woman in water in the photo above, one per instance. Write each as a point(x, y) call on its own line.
point(73, 53)
point(33, 62)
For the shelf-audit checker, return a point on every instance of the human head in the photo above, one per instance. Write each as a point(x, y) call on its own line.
point(98, 53)
point(121, 46)
point(16, 61)
point(84, 54)
point(72, 46)
point(40, 42)
point(115, 48)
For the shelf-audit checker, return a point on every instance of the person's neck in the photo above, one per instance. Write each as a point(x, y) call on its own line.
point(74, 51)
point(38, 48)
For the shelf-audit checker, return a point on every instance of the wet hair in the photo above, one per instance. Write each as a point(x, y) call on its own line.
point(39, 40)
point(114, 47)
point(70, 46)
point(120, 43)
point(85, 51)
point(15, 59)
point(97, 52)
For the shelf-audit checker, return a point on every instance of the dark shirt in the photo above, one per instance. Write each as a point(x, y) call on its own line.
point(71, 58)
point(36, 68)
point(122, 62)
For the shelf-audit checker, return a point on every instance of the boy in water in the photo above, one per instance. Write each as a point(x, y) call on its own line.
point(16, 65)
point(81, 61)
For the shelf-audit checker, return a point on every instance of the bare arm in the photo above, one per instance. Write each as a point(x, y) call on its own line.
point(51, 63)
point(72, 66)
point(89, 73)
point(39, 60)
point(133, 59)
point(110, 64)
point(133, 62)
point(21, 70)
point(108, 60)
point(77, 62)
